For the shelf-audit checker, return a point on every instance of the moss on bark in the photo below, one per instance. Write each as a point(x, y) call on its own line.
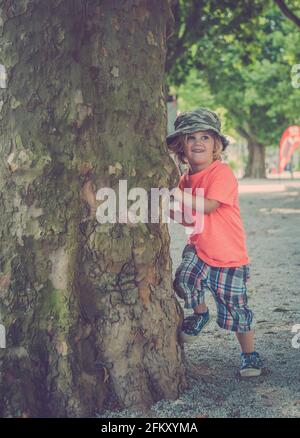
point(89, 309)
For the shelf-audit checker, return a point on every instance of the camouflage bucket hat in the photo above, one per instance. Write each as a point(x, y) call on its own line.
point(202, 119)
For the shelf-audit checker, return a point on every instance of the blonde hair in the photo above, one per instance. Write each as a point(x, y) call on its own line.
point(177, 146)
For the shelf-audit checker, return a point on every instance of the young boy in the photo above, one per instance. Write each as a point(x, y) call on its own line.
point(215, 258)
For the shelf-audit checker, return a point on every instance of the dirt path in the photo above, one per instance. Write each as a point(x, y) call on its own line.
point(271, 214)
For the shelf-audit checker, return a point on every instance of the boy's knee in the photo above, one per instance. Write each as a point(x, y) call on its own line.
point(237, 319)
point(180, 286)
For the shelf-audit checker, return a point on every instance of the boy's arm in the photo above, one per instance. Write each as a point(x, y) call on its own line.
point(181, 221)
point(190, 201)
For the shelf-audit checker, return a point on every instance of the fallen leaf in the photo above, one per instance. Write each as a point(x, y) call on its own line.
point(205, 415)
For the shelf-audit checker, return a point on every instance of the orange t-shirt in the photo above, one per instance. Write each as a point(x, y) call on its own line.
point(222, 242)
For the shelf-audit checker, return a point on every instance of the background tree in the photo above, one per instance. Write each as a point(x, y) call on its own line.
point(255, 86)
point(90, 314)
point(251, 80)
point(291, 14)
point(194, 19)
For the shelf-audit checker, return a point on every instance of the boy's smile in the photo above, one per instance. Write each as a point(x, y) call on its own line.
point(198, 150)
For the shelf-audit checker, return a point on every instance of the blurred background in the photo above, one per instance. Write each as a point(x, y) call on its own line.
point(242, 60)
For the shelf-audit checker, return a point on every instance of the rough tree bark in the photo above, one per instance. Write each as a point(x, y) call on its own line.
point(255, 167)
point(256, 160)
point(90, 315)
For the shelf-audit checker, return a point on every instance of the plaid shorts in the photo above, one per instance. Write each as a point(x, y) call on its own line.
point(228, 286)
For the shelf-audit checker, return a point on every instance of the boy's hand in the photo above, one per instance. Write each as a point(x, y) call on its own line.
point(176, 212)
point(178, 193)
point(210, 205)
point(180, 220)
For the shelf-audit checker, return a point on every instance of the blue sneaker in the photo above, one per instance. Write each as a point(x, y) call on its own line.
point(251, 365)
point(193, 325)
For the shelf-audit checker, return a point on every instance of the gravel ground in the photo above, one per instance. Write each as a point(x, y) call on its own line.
point(271, 215)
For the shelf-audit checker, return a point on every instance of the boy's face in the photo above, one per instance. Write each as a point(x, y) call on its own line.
point(199, 149)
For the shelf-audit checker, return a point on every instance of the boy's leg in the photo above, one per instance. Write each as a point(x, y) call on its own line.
point(229, 289)
point(251, 364)
point(187, 279)
point(188, 286)
point(246, 341)
point(193, 325)
point(201, 308)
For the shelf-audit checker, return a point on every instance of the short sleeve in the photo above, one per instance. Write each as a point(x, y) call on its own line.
point(223, 186)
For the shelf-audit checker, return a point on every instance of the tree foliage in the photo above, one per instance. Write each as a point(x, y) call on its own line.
point(256, 87)
point(290, 9)
point(248, 71)
point(194, 19)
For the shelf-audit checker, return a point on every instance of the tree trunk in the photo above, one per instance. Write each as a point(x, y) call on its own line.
point(255, 167)
point(90, 315)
